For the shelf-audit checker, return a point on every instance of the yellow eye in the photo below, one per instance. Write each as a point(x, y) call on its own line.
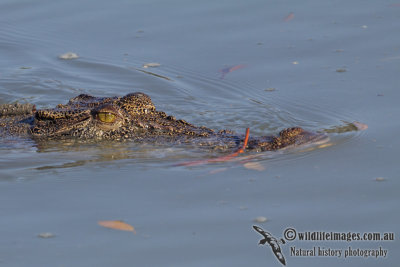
point(106, 117)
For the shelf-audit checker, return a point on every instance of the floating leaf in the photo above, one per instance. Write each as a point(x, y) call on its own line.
point(46, 235)
point(289, 17)
point(260, 219)
point(117, 225)
point(69, 55)
point(225, 71)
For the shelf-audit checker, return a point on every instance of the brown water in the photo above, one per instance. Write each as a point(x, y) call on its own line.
point(266, 65)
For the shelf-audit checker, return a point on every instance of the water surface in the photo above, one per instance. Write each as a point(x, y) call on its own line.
point(323, 66)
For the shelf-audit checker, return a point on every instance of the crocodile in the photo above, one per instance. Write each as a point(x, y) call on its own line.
point(131, 117)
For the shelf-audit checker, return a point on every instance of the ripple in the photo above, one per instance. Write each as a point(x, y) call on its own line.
point(197, 98)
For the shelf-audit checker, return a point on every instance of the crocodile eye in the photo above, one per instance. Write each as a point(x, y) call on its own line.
point(107, 117)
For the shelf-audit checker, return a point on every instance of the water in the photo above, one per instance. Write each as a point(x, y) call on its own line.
point(288, 72)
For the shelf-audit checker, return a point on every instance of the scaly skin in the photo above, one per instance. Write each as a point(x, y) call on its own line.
point(132, 117)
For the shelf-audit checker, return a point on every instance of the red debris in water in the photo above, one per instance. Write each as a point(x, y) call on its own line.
point(219, 159)
point(226, 70)
point(289, 17)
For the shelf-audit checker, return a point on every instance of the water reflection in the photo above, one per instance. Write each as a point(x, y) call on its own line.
point(161, 152)
point(194, 97)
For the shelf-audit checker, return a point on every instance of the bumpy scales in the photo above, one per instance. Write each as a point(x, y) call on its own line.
point(132, 117)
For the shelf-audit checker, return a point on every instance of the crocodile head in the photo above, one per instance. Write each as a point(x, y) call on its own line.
point(87, 117)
